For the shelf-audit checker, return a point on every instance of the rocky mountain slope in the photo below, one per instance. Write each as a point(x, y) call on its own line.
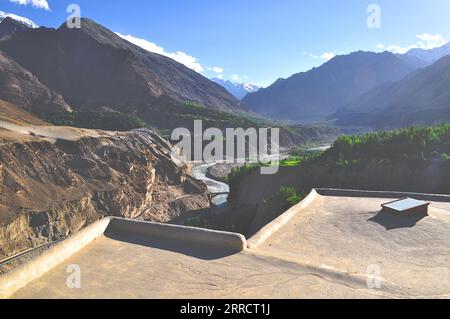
point(56, 180)
point(22, 88)
point(315, 94)
point(421, 98)
point(183, 115)
point(10, 26)
point(93, 67)
point(12, 114)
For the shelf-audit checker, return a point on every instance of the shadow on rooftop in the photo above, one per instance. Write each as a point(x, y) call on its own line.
point(192, 249)
point(391, 220)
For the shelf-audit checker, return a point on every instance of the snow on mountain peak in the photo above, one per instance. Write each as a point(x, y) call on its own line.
point(431, 55)
point(239, 90)
point(251, 88)
point(20, 19)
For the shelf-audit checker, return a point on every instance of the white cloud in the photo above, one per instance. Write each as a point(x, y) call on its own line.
point(426, 41)
point(397, 49)
point(217, 70)
point(181, 57)
point(40, 4)
point(328, 56)
point(311, 55)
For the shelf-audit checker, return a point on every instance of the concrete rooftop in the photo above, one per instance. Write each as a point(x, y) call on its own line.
point(322, 248)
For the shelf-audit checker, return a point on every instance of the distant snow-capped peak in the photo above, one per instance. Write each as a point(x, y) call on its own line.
point(250, 88)
point(431, 55)
point(239, 90)
point(20, 19)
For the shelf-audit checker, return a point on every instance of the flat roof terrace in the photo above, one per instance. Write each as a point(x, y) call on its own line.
point(326, 247)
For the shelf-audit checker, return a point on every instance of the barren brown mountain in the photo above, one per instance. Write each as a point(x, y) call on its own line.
point(22, 88)
point(93, 67)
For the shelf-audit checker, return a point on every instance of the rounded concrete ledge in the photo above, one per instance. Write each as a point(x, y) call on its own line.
point(11, 282)
point(282, 220)
point(22, 276)
point(230, 241)
point(381, 194)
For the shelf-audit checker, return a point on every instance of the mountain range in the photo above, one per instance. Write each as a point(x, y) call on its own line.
point(313, 95)
point(421, 98)
point(238, 90)
point(92, 67)
point(93, 78)
point(430, 56)
point(358, 83)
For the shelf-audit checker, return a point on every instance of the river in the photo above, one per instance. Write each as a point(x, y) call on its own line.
point(199, 172)
point(320, 148)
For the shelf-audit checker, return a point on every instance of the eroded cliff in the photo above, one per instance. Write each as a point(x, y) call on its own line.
point(56, 180)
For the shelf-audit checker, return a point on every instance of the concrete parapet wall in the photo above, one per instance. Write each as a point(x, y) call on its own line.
point(22, 276)
point(282, 220)
point(381, 194)
point(231, 241)
point(278, 223)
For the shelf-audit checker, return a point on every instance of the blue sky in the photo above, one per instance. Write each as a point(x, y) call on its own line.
point(256, 41)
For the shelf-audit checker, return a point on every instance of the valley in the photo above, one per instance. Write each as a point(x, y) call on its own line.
point(91, 173)
point(101, 158)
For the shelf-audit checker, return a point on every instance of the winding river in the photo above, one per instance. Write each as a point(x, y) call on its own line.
point(199, 172)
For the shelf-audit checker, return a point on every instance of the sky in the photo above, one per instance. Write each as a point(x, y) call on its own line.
point(256, 41)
